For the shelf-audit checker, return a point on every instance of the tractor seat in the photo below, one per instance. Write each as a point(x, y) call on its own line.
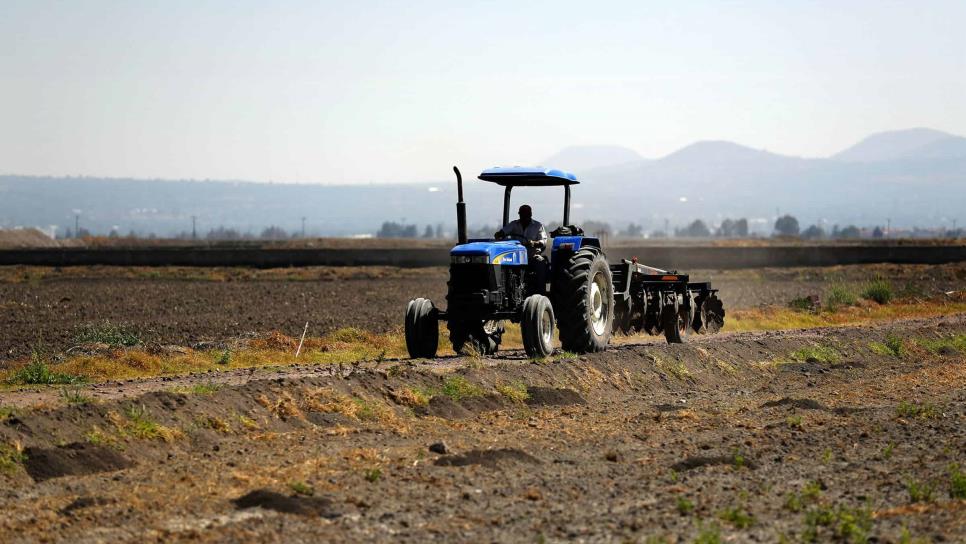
point(567, 230)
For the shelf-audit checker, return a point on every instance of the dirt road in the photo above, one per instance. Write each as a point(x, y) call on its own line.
point(847, 434)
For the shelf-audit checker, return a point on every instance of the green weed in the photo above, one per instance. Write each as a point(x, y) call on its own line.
point(737, 516)
point(827, 456)
point(516, 391)
point(11, 457)
point(893, 346)
point(887, 451)
point(708, 534)
point(738, 460)
point(458, 388)
point(847, 524)
point(920, 491)
point(913, 410)
point(302, 488)
point(839, 295)
point(802, 304)
point(140, 425)
point(372, 475)
point(98, 437)
point(816, 354)
point(110, 334)
point(809, 494)
point(794, 422)
point(878, 290)
point(685, 506)
point(944, 346)
point(206, 388)
point(38, 373)
point(957, 482)
point(74, 396)
point(224, 358)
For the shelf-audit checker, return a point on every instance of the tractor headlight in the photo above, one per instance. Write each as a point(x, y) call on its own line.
point(469, 259)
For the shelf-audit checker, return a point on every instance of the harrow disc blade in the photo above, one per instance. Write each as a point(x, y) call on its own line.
point(712, 314)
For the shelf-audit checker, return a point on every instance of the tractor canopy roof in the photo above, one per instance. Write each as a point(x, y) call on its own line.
point(533, 176)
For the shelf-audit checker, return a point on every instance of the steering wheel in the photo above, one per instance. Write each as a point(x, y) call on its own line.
point(522, 239)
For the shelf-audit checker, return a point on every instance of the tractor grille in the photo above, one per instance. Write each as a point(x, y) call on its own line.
point(469, 278)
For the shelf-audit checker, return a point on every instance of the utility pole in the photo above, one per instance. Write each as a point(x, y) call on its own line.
point(194, 230)
point(888, 228)
point(77, 225)
point(303, 226)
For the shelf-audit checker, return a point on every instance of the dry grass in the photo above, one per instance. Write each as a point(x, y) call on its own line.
point(780, 318)
point(350, 345)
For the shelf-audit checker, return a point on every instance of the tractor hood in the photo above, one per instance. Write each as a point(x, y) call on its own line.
point(508, 252)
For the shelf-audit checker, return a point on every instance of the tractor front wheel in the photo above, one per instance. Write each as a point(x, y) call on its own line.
point(537, 326)
point(422, 328)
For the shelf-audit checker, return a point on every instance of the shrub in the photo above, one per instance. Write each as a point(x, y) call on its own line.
point(878, 290)
point(920, 491)
point(685, 506)
point(107, 333)
point(10, 458)
point(912, 410)
point(816, 354)
point(804, 304)
point(38, 373)
point(957, 482)
point(839, 295)
point(516, 392)
point(847, 524)
point(738, 517)
point(458, 388)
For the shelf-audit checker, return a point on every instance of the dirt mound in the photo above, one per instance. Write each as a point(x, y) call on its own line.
point(295, 504)
point(487, 458)
point(804, 404)
point(80, 503)
point(72, 460)
point(550, 396)
point(704, 461)
point(444, 407)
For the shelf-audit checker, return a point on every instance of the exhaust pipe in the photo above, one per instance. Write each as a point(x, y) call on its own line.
point(460, 208)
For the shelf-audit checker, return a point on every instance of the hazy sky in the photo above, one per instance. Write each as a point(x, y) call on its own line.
point(399, 91)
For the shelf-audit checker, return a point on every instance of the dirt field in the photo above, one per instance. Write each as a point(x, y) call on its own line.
point(850, 434)
point(48, 307)
point(820, 435)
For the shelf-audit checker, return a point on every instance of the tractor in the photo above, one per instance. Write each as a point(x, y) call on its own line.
point(582, 297)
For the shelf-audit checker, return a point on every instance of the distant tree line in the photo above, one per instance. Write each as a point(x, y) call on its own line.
point(391, 229)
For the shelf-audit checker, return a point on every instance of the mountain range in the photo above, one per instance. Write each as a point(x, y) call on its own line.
point(911, 177)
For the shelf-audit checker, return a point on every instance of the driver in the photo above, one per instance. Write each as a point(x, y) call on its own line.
point(534, 237)
point(532, 232)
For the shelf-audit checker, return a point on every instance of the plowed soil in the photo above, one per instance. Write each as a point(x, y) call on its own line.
point(47, 307)
point(736, 436)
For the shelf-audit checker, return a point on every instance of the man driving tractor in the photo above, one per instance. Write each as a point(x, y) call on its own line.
point(533, 236)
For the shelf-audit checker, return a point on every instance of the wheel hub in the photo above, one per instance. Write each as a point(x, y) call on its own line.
point(598, 306)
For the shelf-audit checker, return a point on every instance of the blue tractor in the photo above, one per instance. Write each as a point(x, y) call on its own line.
point(581, 296)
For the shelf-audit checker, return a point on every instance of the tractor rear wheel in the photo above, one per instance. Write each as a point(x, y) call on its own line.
point(422, 329)
point(536, 326)
point(584, 302)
